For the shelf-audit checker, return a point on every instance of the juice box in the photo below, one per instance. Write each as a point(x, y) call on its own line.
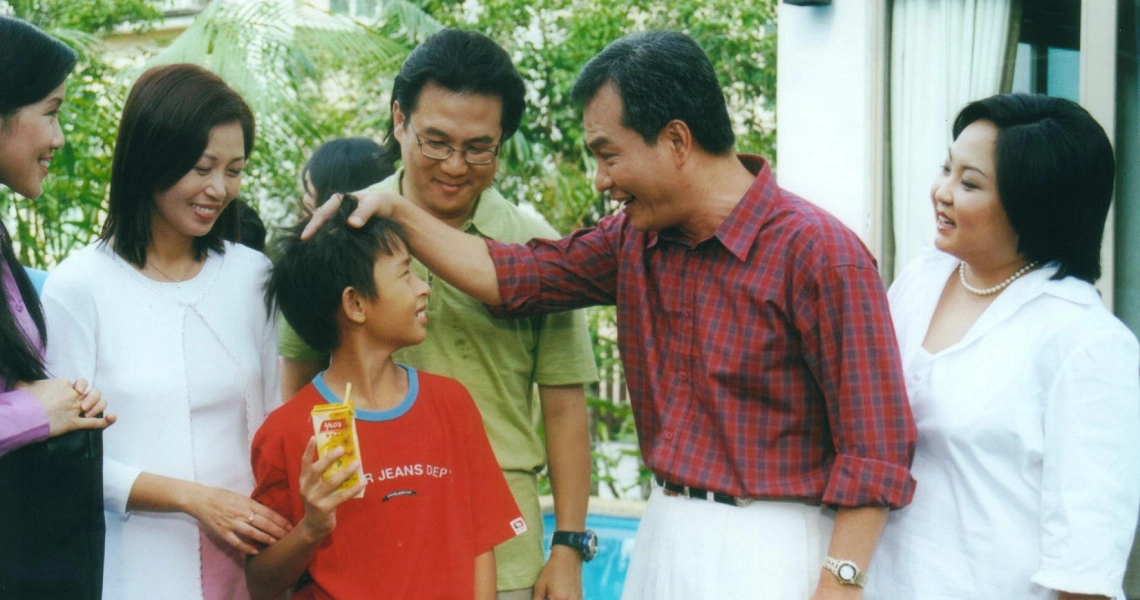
point(335, 427)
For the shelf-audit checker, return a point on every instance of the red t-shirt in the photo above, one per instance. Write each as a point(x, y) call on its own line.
point(435, 497)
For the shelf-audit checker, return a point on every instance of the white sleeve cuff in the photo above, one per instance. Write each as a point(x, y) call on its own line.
point(1109, 584)
point(118, 479)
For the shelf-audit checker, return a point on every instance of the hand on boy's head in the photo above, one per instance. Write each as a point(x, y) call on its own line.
point(320, 495)
point(369, 204)
point(321, 215)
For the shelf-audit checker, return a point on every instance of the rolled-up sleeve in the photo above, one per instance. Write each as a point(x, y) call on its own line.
point(1091, 466)
point(855, 358)
point(518, 276)
point(546, 276)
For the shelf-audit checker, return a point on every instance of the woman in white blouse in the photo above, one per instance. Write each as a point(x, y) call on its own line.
point(1025, 389)
point(167, 320)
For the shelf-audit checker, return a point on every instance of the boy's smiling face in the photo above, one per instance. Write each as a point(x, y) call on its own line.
point(398, 313)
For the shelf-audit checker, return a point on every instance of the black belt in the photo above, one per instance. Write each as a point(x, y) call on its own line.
point(676, 489)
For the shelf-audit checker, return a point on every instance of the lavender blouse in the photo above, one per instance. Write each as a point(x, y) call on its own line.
point(22, 418)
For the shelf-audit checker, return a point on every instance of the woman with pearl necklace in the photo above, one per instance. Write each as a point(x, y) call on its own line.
point(1024, 387)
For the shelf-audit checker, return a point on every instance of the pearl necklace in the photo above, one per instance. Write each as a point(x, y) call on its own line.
point(997, 288)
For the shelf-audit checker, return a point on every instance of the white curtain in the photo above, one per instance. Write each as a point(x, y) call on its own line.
point(944, 53)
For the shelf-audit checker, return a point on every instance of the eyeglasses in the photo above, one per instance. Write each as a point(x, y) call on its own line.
point(436, 150)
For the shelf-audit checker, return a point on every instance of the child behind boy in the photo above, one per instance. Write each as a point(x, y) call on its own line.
point(436, 502)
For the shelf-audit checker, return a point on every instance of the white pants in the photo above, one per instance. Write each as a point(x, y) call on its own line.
point(691, 549)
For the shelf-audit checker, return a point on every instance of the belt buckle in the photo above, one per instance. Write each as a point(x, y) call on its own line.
point(742, 502)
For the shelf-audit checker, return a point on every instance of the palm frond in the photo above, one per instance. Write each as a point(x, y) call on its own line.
point(267, 51)
point(82, 42)
point(401, 18)
point(308, 75)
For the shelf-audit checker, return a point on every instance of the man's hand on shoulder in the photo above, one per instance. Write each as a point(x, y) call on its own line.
point(369, 204)
point(561, 576)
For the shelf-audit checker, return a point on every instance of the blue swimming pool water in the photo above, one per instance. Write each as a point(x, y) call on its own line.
point(603, 577)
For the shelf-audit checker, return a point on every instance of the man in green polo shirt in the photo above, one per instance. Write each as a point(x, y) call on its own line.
point(456, 99)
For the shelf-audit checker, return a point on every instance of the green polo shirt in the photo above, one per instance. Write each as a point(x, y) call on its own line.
point(499, 361)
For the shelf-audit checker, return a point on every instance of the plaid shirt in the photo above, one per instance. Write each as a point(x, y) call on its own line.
point(761, 362)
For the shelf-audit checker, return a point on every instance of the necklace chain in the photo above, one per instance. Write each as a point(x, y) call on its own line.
point(165, 274)
point(997, 288)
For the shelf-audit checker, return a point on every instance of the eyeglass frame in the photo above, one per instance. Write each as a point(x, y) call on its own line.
point(435, 144)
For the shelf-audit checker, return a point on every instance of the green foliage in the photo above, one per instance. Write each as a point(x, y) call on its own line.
point(91, 16)
point(322, 78)
point(285, 64)
point(608, 415)
point(612, 433)
point(330, 77)
point(547, 163)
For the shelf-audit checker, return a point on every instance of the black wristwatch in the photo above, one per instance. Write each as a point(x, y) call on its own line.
point(585, 542)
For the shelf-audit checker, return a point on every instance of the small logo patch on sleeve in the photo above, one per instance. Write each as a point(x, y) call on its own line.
point(519, 525)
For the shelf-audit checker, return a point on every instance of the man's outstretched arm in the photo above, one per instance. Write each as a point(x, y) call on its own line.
point(459, 258)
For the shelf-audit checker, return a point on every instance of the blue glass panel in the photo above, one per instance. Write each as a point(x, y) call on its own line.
point(603, 577)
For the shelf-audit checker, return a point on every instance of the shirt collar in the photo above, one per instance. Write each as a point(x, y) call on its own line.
point(1070, 288)
point(389, 414)
point(738, 232)
point(491, 216)
point(1028, 286)
point(1024, 290)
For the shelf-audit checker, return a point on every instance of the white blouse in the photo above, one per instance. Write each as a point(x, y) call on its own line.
point(190, 369)
point(1028, 456)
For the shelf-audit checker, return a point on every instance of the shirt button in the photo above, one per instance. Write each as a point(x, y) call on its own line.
point(688, 313)
point(668, 434)
point(20, 307)
point(684, 376)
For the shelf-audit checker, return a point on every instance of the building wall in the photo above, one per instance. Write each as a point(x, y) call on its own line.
point(828, 109)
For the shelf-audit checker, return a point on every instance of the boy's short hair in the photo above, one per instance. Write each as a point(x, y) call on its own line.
point(308, 277)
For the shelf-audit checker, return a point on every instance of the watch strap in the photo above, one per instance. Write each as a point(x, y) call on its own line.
point(566, 538)
point(578, 540)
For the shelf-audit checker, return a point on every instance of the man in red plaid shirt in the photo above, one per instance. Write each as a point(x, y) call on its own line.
point(753, 327)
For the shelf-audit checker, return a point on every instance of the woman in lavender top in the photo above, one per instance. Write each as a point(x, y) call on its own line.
point(43, 554)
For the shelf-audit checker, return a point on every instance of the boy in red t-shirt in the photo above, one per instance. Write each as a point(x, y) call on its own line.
point(436, 502)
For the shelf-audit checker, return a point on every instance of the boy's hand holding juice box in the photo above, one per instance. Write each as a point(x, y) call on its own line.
point(335, 427)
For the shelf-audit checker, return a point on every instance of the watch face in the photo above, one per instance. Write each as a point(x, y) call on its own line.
point(590, 547)
point(846, 572)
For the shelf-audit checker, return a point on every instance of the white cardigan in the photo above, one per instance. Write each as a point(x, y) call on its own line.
point(1028, 456)
point(159, 353)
